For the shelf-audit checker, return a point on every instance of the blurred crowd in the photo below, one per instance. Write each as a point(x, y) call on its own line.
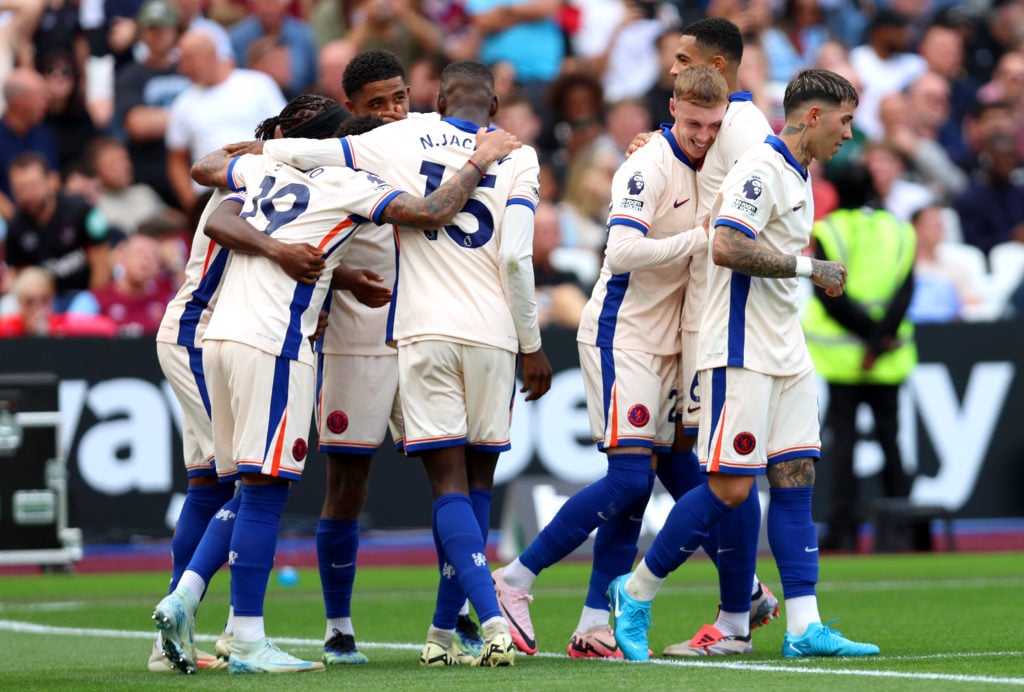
point(106, 103)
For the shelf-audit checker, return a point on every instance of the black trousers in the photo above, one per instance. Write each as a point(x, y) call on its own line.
point(844, 515)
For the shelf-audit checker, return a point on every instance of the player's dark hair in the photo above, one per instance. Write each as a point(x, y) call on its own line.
point(358, 124)
point(469, 72)
point(717, 36)
point(308, 115)
point(371, 66)
point(818, 85)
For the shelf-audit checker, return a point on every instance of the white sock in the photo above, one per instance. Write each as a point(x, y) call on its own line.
point(229, 626)
point(591, 618)
point(733, 624)
point(517, 575)
point(755, 587)
point(443, 638)
point(493, 627)
point(195, 584)
point(249, 628)
point(343, 625)
point(464, 610)
point(643, 585)
point(801, 612)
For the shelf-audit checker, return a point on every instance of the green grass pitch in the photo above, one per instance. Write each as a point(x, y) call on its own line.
point(943, 622)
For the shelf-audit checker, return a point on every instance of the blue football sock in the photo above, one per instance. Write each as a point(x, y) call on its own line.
point(337, 542)
point(737, 536)
point(685, 529)
point(679, 472)
point(626, 482)
point(253, 544)
point(212, 551)
point(794, 540)
point(615, 548)
point(201, 504)
point(464, 549)
point(481, 501)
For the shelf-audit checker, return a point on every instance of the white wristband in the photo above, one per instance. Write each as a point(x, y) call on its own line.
point(804, 267)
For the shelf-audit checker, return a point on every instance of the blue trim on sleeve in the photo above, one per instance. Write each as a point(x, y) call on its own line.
point(231, 175)
point(381, 206)
point(521, 201)
point(737, 225)
point(346, 148)
point(629, 223)
point(737, 96)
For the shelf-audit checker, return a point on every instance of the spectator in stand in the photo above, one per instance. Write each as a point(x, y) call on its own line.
point(334, 57)
point(584, 205)
point(124, 202)
point(884, 65)
point(425, 83)
point(269, 18)
point(60, 232)
point(517, 116)
point(660, 92)
point(897, 194)
point(394, 25)
point(793, 41)
point(222, 105)
point(765, 93)
point(137, 297)
point(986, 120)
point(942, 290)
point(576, 101)
point(942, 47)
point(66, 112)
point(624, 120)
point(461, 40)
point(910, 122)
point(990, 34)
point(1008, 85)
point(524, 33)
point(751, 16)
point(144, 92)
point(991, 209)
point(18, 18)
point(560, 297)
point(35, 291)
point(192, 15)
point(269, 55)
point(22, 128)
point(617, 41)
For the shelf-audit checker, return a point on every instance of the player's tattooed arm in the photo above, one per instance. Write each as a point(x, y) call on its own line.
point(212, 169)
point(442, 204)
point(796, 473)
point(734, 249)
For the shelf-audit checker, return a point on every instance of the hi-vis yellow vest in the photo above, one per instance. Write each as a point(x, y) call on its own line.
point(878, 252)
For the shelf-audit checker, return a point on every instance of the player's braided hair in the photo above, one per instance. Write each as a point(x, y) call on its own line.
point(301, 111)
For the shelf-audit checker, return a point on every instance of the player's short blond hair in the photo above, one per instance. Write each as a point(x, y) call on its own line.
point(701, 85)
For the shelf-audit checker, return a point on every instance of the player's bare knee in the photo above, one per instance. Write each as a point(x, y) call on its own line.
point(795, 473)
point(730, 489)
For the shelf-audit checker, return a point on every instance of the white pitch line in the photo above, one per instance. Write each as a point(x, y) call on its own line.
point(33, 628)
